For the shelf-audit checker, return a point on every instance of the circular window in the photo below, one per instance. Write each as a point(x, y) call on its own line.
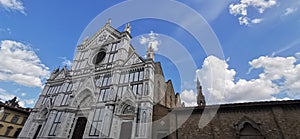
point(99, 57)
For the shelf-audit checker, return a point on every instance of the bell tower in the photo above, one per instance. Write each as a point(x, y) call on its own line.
point(200, 96)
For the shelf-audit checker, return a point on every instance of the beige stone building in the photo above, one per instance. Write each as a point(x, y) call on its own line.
point(12, 119)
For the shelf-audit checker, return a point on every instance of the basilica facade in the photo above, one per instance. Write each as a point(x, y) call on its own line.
point(109, 92)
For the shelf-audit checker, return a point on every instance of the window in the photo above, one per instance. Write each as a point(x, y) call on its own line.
point(99, 57)
point(97, 121)
point(65, 99)
point(56, 123)
point(70, 87)
point(114, 47)
point(121, 91)
point(137, 88)
point(133, 76)
point(106, 81)
point(53, 89)
point(24, 120)
point(104, 95)
point(101, 121)
point(5, 116)
point(103, 81)
point(111, 57)
point(8, 130)
point(15, 119)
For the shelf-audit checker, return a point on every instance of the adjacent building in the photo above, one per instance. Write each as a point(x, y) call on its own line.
point(12, 119)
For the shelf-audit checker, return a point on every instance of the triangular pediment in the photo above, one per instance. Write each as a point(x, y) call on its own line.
point(60, 74)
point(128, 95)
point(134, 58)
point(88, 83)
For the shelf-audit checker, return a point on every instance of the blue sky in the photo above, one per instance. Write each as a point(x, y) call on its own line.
point(260, 43)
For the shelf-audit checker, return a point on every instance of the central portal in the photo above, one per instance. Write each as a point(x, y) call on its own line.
point(126, 129)
point(79, 128)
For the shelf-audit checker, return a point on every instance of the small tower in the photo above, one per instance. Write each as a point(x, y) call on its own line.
point(200, 96)
point(150, 52)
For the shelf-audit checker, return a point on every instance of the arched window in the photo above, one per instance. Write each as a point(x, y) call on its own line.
point(10, 128)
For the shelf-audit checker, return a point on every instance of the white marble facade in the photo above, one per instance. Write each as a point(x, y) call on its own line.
point(107, 93)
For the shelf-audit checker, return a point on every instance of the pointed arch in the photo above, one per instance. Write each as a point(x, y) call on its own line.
point(83, 97)
point(247, 128)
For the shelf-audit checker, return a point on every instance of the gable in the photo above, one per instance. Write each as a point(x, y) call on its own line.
point(61, 74)
point(134, 58)
point(105, 35)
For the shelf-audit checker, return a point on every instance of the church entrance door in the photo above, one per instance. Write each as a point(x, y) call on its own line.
point(126, 129)
point(79, 128)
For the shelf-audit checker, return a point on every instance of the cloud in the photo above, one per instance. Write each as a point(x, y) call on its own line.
point(297, 55)
point(283, 69)
point(5, 30)
point(289, 11)
point(151, 39)
point(21, 65)
point(256, 20)
point(241, 10)
point(66, 62)
point(25, 102)
point(23, 94)
point(4, 96)
point(279, 75)
point(13, 5)
point(189, 98)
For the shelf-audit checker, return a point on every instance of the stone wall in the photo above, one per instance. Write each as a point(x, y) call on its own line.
point(273, 120)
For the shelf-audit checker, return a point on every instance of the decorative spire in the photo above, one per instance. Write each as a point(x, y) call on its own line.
point(108, 21)
point(128, 28)
point(200, 96)
point(150, 52)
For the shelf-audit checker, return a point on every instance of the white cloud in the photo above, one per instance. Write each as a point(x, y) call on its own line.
point(289, 11)
point(20, 64)
point(25, 102)
point(13, 5)
point(218, 80)
point(240, 10)
point(274, 67)
point(281, 68)
point(256, 21)
point(151, 39)
point(66, 62)
point(4, 96)
point(189, 98)
point(23, 94)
